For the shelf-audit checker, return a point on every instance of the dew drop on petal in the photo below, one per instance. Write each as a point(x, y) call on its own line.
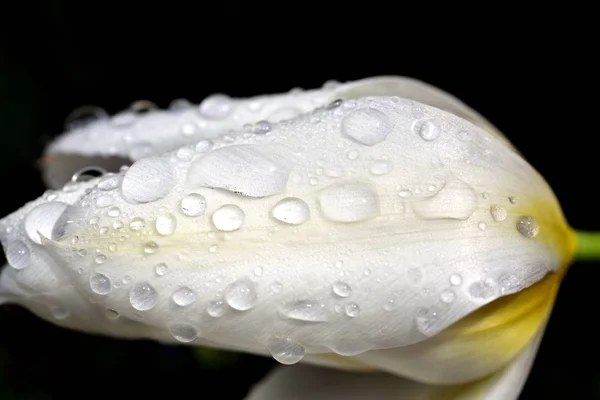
point(113, 212)
point(111, 314)
point(184, 296)
point(285, 351)
point(498, 213)
point(166, 224)
point(349, 202)
point(59, 312)
point(341, 289)
point(137, 223)
point(100, 284)
point(109, 182)
point(483, 289)
point(426, 129)
point(18, 254)
point(380, 167)
point(528, 226)
point(455, 279)
point(291, 210)
point(143, 296)
point(183, 332)
point(150, 247)
point(100, 259)
point(367, 126)
point(305, 310)
point(241, 295)
point(352, 310)
point(216, 308)
point(427, 320)
point(193, 205)
point(482, 226)
point(49, 219)
point(148, 179)
point(228, 218)
point(447, 296)
point(161, 269)
point(262, 127)
point(456, 200)
point(216, 106)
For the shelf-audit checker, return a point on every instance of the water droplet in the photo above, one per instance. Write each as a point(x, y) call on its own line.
point(104, 201)
point(18, 254)
point(341, 289)
point(216, 106)
point(228, 218)
point(367, 272)
point(482, 226)
point(352, 310)
point(184, 296)
point(148, 179)
point(455, 279)
point(112, 247)
point(137, 223)
point(334, 104)
point(166, 224)
point(203, 146)
point(84, 115)
point(216, 308)
point(509, 284)
point(109, 182)
point(161, 269)
point(111, 314)
point(389, 305)
point(49, 219)
point(291, 210)
point(456, 200)
point(241, 295)
point(100, 284)
point(483, 289)
point(349, 202)
point(58, 312)
point(150, 247)
point(180, 104)
point(93, 220)
point(258, 271)
point(183, 332)
point(193, 205)
point(427, 320)
point(262, 127)
point(352, 155)
point(485, 195)
point(185, 154)
point(248, 169)
point(82, 252)
point(213, 248)
point(367, 126)
point(498, 213)
point(100, 259)
point(276, 287)
point(305, 310)
point(285, 351)
point(528, 226)
point(117, 225)
point(87, 173)
point(405, 193)
point(512, 200)
point(447, 296)
point(126, 280)
point(381, 167)
point(427, 129)
point(143, 296)
point(114, 212)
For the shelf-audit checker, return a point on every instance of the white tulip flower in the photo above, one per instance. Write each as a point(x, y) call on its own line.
point(380, 228)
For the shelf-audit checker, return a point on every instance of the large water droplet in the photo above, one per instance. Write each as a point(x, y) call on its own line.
point(456, 200)
point(184, 296)
point(193, 205)
point(367, 126)
point(427, 129)
point(148, 179)
point(166, 224)
point(228, 218)
point(18, 254)
point(498, 213)
point(216, 106)
point(250, 170)
point(349, 202)
point(216, 308)
point(285, 351)
point(341, 289)
point(143, 296)
point(291, 210)
point(528, 226)
point(49, 219)
point(183, 332)
point(305, 310)
point(100, 284)
point(241, 295)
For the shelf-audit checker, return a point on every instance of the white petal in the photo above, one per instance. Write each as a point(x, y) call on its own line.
point(130, 135)
point(302, 382)
point(371, 274)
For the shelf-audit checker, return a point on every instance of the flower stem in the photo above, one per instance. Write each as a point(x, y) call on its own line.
point(588, 246)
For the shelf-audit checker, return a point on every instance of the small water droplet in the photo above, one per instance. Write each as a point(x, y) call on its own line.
point(305, 310)
point(426, 129)
point(258, 271)
point(111, 314)
point(427, 320)
point(241, 295)
point(213, 248)
point(485, 195)
point(193, 205)
point(262, 127)
point(203, 146)
point(509, 284)
point(184, 154)
point(183, 332)
point(228, 218)
point(74, 240)
point(405, 193)
point(482, 226)
point(100, 259)
point(498, 213)
point(528, 226)
point(276, 287)
point(512, 200)
point(341, 289)
point(380, 167)
point(18, 254)
point(367, 126)
point(161, 269)
point(109, 182)
point(483, 289)
point(352, 310)
point(455, 279)
point(334, 104)
point(456, 200)
point(112, 247)
point(143, 296)
point(82, 252)
point(150, 247)
point(59, 312)
point(447, 296)
point(216, 308)
point(367, 272)
point(100, 284)
point(184, 296)
point(93, 220)
point(166, 224)
point(291, 210)
point(285, 351)
point(126, 280)
point(389, 305)
point(352, 155)
point(216, 106)
point(349, 202)
point(137, 223)
point(117, 225)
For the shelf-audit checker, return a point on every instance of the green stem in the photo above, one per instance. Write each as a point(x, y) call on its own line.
point(588, 246)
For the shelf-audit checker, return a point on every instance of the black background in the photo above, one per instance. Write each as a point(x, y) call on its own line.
point(532, 73)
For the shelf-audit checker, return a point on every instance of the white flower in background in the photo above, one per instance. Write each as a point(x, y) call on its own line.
point(376, 232)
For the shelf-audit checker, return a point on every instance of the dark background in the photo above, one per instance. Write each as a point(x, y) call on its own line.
point(532, 74)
